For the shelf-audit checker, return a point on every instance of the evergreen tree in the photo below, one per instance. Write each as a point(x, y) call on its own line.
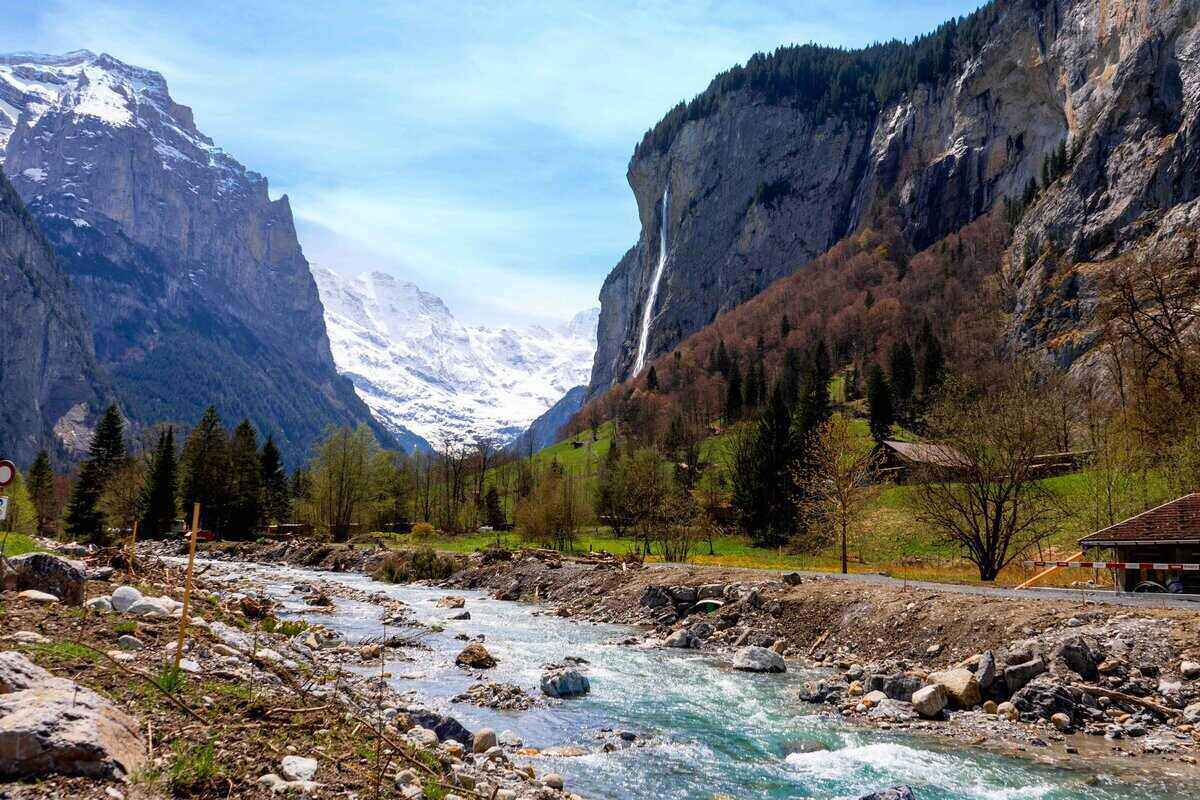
point(277, 497)
point(764, 486)
point(785, 328)
point(40, 484)
point(493, 513)
point(792, 380)
point(750, 391)
point(933, 363)
point(903, 371)
point(245, 481)
point(106, 456)
point(205, 472)
point(300, 486)
point(723, 361)
point(879, 404)
point(733, 395)
point(162, 484)
point(652, 379)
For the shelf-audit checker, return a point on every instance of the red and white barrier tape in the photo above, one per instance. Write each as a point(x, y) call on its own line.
point(1115, 565)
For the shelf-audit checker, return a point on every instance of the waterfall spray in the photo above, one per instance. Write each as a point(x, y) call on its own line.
point(648, 311)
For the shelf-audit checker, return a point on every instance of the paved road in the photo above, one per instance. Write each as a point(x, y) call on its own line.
point(1190, 602)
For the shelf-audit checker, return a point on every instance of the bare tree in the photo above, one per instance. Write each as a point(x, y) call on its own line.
point(842, 480)
point(983, 493)
point(346, 483)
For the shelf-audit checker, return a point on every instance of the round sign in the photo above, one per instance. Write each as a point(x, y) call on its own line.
point(8, 471)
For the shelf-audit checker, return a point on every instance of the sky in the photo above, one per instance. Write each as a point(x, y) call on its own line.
point(475, 148)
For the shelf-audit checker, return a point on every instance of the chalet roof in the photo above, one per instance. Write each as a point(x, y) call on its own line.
point(1175, 521)
point(937, 455)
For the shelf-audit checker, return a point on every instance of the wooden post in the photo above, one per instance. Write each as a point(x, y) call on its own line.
point(1049, 571)
point(132, 545)
point(187, 584)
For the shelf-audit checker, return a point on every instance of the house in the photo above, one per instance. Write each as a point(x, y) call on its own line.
point(900, 459)
point(1160, 546)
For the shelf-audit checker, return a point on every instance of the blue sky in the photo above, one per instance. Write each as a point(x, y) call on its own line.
point(476, 148)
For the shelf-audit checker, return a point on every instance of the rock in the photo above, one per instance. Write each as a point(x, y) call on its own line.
point(990, 707)
point(933, 649)
point(149, 607)
point(821, 691)
point(124, 597)
point(563, 683)
point(711, 591)
point(681, 638)
point(102, 605)
point(1044, 698)
point(475, 656)
point(792, 578)
point(462, 615)
point(683, 595)
point(553, 780)
point(510, 739)
point(452, 601)
point(985, 670)
point(445, 728)
point(1017, 675)
point(34, 596)
point(900, 686)
point(961, 687)
point(128, 642)
point(930, 700)
point(485, 739)
point(45, 573)
point(1008, 711)
point(27, 637)
point(894, 793)
point(1082, 654)
point(51, 725)
point(298, 768)
point(1190, 669)
point(873, 698)
point(758, 659)
point(1061, 721)
point(893, 711)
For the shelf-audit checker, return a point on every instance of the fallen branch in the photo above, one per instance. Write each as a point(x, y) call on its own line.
point(297, 710)
point(182, 706)
point(820, 640)
point(1112, 694)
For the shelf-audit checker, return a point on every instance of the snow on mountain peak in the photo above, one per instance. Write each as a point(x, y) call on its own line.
point(418, 368)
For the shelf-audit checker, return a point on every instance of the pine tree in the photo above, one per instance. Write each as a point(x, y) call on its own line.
point(652, 379)
point(785, 328)
point(750, 390)
point(162, 484)
point(933, 363)
point(205, 472)
point(245, 481)
point(733, 395)
point(493, 513)
point(40, 484)
point(879, 404)
point(903, 369)
point(106, 455)
point(792, 380)
point(764, 487)
point(277, 499)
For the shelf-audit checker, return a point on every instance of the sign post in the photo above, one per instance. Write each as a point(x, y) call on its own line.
point(8, 472)
point(187, 585)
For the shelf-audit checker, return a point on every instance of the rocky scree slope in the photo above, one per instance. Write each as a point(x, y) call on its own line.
point(48, 370)
point(783, 157)
point(432, 380)
point(191, 276)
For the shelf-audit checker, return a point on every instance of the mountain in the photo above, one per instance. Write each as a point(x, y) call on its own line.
point(426, 375)
point(550, 426)
point(191, 277)
point(1076, 120)
point(50, 386)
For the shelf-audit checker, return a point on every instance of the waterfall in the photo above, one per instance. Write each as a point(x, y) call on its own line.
point(648, 311)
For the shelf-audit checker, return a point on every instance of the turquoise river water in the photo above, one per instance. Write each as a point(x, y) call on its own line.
point(707, 730)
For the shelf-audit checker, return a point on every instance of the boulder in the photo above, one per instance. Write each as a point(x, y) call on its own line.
point(102, 605)
point(298, 768)
point(128, 642)
point(485, 739)
point(1190, 669)
point(1061, 721)
point(683, 595)
point(758, 659)
point(452, 601)
point(150, 607)
point(475, 656)
point(44, 573)
point(711, 591)
point(124, 597)
point(564, 683)
point(893, 711)
point(1044, 698)
point(553, 780)
point(53, 726)
point(35, 596)
point(655, 597)
point(898, 687)
point(961, 686)
point(682, 639)
point(1008, 711)
point(894, 793)
point(1082, 654)
point(985, 670)
point(792, 578)
point(1017, 675)
point(930, 700)
point(445, 728)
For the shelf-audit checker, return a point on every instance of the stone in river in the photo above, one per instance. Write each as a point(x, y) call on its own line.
point(930, 700)
point(758, 659)
point(565, 683)
point(475, 656)
point(895, 793)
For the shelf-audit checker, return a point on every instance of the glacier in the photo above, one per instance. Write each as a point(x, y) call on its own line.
point(419, 369)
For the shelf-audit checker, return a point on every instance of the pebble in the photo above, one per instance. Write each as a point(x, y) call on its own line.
point(27, 637)
point(553, 780)
point(128, 642)
point(34, 596)
point(298, 768)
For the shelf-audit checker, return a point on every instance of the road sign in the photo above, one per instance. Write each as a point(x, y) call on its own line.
point(8, 471)
point(3, 508)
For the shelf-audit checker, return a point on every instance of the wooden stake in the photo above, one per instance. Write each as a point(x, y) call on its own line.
point(132, 545)
point(187, 584)
point(1046, 572)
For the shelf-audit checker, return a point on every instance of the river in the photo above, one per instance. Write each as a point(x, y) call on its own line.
point(705, 730)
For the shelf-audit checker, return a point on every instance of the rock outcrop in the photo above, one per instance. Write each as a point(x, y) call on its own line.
point(765, 172)
point(189, 273)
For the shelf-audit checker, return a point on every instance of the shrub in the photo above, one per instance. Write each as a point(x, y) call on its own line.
point(407, 566)
point(422, 531)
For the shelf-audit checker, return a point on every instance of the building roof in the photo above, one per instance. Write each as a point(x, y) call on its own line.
point(937, 455)
point(1175, 521)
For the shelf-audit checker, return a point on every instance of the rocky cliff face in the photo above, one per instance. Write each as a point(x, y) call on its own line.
point(760, 182)
point(192, 278)
point(50, 388)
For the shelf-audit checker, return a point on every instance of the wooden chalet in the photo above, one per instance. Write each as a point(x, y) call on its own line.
point(901, 459)
point(1160, 546)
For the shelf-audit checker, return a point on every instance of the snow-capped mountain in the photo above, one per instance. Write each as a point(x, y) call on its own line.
point(419, 369)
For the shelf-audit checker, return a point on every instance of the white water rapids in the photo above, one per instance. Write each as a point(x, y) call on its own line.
point(648, 311)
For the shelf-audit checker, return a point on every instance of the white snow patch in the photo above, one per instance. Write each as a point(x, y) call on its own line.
point(35, 174)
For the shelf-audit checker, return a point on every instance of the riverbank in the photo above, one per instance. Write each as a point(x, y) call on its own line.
point(871, 647)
